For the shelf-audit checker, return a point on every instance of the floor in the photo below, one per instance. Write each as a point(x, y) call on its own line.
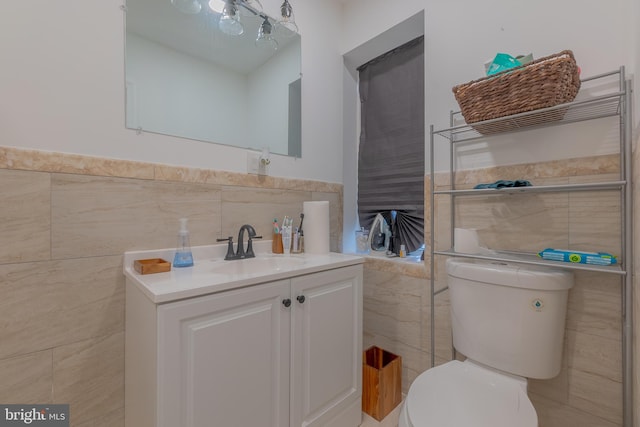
point(390, 420)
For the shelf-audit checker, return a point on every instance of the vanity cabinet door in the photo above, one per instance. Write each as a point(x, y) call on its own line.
point(327, 348)
point(223, 360)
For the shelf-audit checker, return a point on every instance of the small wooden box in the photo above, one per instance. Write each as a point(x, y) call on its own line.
point(381, 382)
point(153, 265)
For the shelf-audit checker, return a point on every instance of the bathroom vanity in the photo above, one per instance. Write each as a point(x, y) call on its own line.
point(268, 341)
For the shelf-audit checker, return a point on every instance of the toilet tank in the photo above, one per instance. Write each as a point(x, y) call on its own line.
point(509, 316)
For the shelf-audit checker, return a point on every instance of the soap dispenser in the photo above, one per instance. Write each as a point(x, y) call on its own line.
point(183, 257)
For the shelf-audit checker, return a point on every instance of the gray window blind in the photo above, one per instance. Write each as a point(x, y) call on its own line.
point(391, 151)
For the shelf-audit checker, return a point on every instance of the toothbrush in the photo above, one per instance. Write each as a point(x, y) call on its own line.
point(301, 221)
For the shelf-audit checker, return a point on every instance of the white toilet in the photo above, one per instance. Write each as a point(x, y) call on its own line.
point(508, 320)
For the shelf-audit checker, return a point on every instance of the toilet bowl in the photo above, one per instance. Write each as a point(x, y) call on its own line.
point(508, 320)
point(466, 394)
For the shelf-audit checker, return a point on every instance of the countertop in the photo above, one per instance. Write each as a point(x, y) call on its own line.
point(211, 273)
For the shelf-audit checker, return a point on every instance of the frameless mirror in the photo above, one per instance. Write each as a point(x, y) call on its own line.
point(186, 78)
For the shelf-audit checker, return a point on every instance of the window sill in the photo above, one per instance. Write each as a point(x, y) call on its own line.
point(407, 266)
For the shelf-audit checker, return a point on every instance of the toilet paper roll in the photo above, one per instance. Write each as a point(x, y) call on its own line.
point(466, 241)
point(316, 227)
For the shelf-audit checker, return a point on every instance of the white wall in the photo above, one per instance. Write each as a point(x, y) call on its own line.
point(459, 38)
point(62, 85)
point(62, 89)
point(461, 35)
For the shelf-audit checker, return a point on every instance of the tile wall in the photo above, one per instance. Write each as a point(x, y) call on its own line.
point(588, 390)
point(65, 221)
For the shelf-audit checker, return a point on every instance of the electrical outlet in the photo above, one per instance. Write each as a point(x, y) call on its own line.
point(253, 162)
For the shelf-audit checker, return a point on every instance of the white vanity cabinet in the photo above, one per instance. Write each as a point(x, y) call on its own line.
point(275, 354)
point(223, 359)
point(326, 357)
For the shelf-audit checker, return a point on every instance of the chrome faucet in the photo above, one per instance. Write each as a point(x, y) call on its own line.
point(240, 252)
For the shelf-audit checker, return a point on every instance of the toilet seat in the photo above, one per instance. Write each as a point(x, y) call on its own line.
point(466, 394)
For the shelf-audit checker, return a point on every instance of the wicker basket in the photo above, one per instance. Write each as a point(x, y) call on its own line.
point(545, 82)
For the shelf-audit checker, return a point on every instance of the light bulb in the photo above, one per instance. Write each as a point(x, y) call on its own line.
point(264, 39)
point(190, 7)
point(216, 5)
point(288, 20)
point(230, 20)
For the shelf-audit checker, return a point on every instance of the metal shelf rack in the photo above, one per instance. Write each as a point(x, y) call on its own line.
point(616, 102)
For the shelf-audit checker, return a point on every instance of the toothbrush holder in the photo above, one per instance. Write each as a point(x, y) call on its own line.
point(276, 244)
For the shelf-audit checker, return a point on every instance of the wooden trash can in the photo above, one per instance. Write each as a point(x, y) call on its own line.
point(381, 382)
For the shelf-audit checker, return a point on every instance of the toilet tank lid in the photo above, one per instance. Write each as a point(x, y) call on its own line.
point(510, 274)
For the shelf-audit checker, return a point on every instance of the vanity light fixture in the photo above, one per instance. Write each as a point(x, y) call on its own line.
point(230, 24)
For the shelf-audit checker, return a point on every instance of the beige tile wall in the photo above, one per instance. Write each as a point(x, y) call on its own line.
point(65, 221)
point(588, 391)
point(393, 316)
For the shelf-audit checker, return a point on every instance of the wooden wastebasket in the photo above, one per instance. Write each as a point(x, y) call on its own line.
point(381, 382)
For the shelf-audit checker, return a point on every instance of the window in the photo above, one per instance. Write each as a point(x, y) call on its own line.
point(391, 151)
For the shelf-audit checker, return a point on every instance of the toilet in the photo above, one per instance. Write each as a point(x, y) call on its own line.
point(508, 320)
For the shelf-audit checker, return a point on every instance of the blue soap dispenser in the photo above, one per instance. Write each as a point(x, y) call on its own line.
point(183, 257)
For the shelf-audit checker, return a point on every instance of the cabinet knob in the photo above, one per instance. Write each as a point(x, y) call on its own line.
point(301, 299)
point(286, 302)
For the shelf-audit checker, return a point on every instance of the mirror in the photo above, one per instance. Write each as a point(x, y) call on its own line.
point(186, 78)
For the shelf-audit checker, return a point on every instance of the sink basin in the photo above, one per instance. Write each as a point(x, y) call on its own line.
point(260, 265)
